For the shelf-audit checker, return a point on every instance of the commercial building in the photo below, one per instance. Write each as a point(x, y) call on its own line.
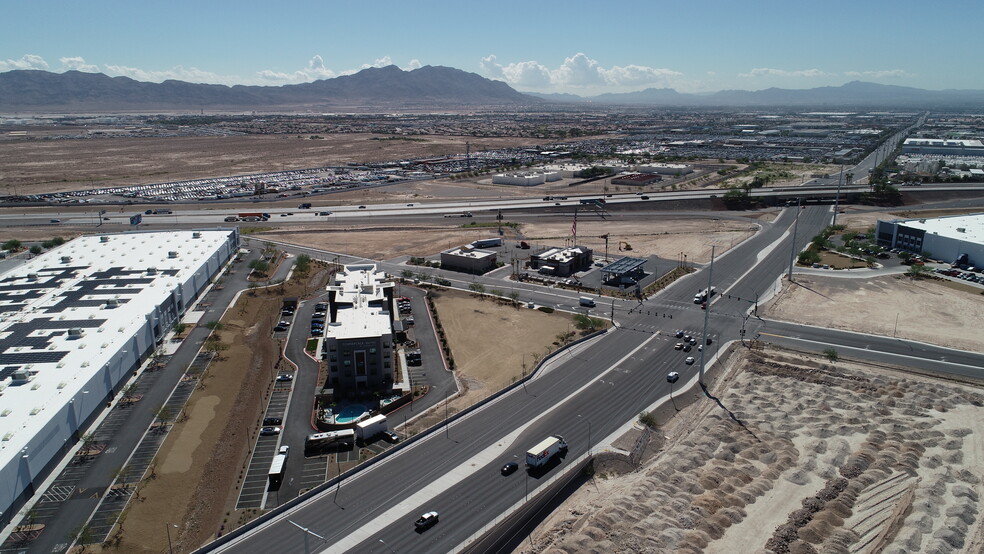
point(468, 259)
point(665, 169)
point(526, 179)
point(74, 323)
point(562, 262)
point(945, 238)
point(637, 179)
point(358, 340)
point(945, 147)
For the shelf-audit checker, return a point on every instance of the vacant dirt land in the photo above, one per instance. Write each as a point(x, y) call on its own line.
point(926, 310)
point(667, 238)
point(36, 166)
point(819, 457)
point(485, 366)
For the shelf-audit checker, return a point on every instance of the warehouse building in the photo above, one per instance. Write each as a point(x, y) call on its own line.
point(945, 147)
point(74, 323)
point(945, 238)
point(468, 259)
point(637, 179)
point(358, 340)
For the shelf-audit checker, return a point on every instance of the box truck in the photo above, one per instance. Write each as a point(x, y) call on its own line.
point(587, 301)
point(365, 430)
point(544, 451)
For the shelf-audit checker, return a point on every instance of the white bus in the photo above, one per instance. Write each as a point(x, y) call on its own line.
point(318, 441)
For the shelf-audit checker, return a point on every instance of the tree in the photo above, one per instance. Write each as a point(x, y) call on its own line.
point(88, 441)
point(82, 535)
point(259, 266)
point(830, 354)
point(477, 288)
point(36, 250)
point(808, 257)
point(406, 274)
point(165, 415)
point(215, 325)
point(587, 323)
point(918, 271)
point(129, 392)
point(649, 420)
point(12, 245)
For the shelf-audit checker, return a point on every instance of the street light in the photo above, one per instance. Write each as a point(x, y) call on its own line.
point(167, 527)
point(588, 421)
point(387, 546)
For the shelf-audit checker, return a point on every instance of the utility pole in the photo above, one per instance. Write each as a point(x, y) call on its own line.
point(840, 177)
point(792, 247)
point(707, 312)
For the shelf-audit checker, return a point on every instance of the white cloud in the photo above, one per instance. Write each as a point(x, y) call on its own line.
point(770, 72)
point(882, 74)
point(78, 64)
point(414, 64)
point(380, 62)
point(180, 73)
point(27, 61)
point(577, 71)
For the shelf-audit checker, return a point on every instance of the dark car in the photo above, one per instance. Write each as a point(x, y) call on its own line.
point(280, 328)
point(679, 334)
point(509, 468)
point(392, 437)
point(285, 377)
point(362, 207)
point(425, 521)
point(268, 421)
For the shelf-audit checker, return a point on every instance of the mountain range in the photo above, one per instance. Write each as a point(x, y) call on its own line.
point(426, 87)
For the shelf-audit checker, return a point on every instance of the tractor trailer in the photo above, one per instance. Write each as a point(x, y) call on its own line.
point(541, 454)
point(371, 427)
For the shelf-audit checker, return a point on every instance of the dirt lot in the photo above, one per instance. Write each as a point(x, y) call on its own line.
point(924, 309)
point(667, 238)
point(35, 166)
point(818, 458)
point(522, 337)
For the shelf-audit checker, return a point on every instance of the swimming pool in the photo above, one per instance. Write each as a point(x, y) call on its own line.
point(350, 413)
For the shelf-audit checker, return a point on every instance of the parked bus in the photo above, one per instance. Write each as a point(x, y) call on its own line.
point(317, 441)
point(277, 469)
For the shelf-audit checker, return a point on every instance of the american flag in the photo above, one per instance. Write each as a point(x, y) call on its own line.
point(574, 228)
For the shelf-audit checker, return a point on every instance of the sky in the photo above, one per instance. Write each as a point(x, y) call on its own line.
point(573, 46)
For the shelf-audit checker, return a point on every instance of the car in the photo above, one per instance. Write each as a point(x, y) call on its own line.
point(283, 215)
point(362, 207)
point(285, 450)
point(687, 338)
point(56, 221)
point(426, 521)
point(509, 468)
point(280, 328)
point(672, 377)
point(679, 334)
point(678, 346)
point(268, 431)
point(410, 205)
point(284, 323)
point(644, 198)
point(390, 436)
point(709, 341)
point(687, 347)
point(692, 340)
point(285, 377)
point(690, 360)
point(270, 421)
point(700, 347)
point(556, 203)
point(231, 218)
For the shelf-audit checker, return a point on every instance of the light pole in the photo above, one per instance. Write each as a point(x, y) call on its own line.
point(387, 546)
point(707, 311)
point(167, 527)
point(588, 421)
point(792, 247)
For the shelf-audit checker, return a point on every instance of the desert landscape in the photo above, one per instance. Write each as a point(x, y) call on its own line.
point(805, 456)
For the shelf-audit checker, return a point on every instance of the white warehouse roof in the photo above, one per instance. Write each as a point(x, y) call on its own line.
point(967, 228)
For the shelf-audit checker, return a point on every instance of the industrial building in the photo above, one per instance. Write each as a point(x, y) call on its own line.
point(562, 262)
point(526, 179)
point(358, 340)
point(468, 259)
point(74, 323)
point(945, 147)
point(665, 169)
point(945, 238)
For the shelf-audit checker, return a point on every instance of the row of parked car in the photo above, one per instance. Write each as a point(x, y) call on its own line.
point(964, 275)
point(318, 319)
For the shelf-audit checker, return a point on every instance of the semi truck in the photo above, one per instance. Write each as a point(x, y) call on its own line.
point(253, 216)
point(541, 454)
point(365, 430)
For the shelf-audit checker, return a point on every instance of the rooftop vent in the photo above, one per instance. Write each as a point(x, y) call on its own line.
point(172, 254)
point(75, 332)
point(961, 229)
point(32, 276)
point(66, 259)
point(104, 239)
point(151, 271)
point(196, 235)
point(112, 303)
point(20, 376)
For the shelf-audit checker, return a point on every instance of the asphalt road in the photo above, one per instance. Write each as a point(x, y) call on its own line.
point(586, 395)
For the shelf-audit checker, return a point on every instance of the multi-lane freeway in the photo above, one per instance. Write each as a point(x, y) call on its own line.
point(587, 395)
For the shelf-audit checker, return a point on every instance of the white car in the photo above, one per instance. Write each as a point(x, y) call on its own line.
point(672, 377)
point(690, 360)
point(285, 450)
